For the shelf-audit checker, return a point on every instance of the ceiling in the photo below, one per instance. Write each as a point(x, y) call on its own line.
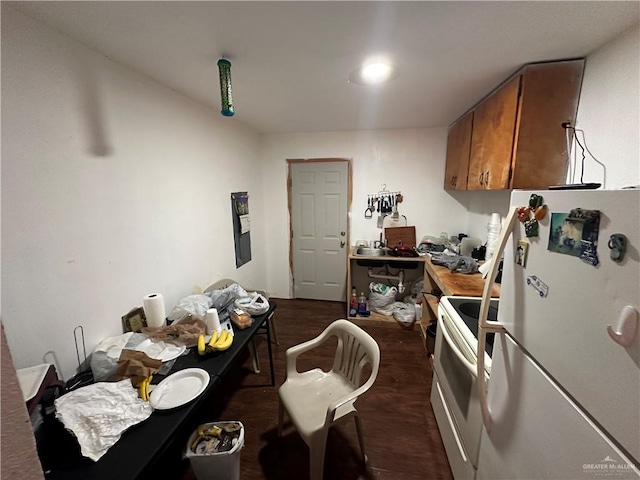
point(291, 60)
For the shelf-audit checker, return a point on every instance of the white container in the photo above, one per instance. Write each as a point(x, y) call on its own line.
point(216, 466)
point(493, 232)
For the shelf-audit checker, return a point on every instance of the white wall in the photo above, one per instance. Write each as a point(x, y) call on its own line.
point(609, 111)
point(113, 186)
point(411, 161)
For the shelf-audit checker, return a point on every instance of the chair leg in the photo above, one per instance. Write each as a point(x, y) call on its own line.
point(360, 437)
point(280, 417)
point(274, 332)
point(254, 355)
point(317, 447)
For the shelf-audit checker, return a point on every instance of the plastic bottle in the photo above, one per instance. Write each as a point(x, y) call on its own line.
point(362, 303)
point(353, 305)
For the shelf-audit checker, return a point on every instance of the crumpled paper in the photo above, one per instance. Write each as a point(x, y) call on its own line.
point(98, 414)
point(132, 364)
point(185, 332)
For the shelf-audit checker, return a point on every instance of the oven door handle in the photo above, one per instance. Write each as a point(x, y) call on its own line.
point(485, 326)
point(468, 365)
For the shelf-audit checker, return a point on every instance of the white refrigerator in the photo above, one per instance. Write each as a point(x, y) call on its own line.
point(563, 399)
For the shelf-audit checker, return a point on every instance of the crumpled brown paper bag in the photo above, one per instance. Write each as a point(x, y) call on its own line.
point(135, 365)
point(185, 332)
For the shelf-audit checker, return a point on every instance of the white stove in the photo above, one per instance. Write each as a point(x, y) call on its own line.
point(454, 394)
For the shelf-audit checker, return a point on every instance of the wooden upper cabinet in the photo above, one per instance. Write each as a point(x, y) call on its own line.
point(550, 94)
point(458, 148)
point(517, 138)
point(492, 138)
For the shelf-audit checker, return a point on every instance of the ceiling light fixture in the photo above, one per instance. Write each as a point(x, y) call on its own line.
point(373, 73)
point(224, 66)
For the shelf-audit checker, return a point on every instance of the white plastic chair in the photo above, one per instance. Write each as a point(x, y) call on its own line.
point(315, 400)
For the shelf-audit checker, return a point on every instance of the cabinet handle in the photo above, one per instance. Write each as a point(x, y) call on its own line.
point(486, 178)
point(482, 178)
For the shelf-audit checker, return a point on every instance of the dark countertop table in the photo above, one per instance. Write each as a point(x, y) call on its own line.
point(143, 445)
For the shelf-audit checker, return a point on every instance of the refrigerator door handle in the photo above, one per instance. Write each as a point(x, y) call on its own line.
point(627, 326)
point(485, 326)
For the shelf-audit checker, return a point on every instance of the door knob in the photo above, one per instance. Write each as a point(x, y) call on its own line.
point(342, 244)
point(342, 234)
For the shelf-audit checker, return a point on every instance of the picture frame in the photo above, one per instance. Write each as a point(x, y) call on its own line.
point(134, 321)
point(521, 253)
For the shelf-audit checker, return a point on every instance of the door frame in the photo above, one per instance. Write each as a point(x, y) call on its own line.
point(291, 161)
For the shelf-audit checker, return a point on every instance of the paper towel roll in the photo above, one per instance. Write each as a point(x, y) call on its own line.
point(154, 309)
point(213, 322)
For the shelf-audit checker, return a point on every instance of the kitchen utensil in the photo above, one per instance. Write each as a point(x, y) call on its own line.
point(380, 209)
point(368, 213)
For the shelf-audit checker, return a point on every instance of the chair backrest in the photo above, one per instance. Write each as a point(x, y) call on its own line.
point(356, 348)
point(220, 284)
point(226, 282)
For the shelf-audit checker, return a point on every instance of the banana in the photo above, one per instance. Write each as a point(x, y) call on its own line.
point(225, 342)
point(222, 338)
point(214, 338)
point(149, 378)
point(201, 346)
point(143, 388)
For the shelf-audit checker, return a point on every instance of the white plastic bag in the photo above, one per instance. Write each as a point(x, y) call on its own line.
point(404, 313)
point(196, 305)
point(104, 359)
point(224, 298)
point(381, 298)
point(416, 290)
point(254, 304)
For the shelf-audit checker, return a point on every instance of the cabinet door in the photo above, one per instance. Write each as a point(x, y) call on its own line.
point(550, 95)
point(494, 125)
point(458, 148)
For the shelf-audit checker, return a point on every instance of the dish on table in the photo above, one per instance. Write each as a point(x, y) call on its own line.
point(179, 388)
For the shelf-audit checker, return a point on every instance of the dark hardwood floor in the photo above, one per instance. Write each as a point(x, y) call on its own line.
point(401, 436)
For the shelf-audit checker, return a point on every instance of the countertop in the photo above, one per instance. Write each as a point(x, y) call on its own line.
point(458, 284)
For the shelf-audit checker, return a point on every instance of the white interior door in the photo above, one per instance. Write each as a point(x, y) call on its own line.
point(319, 226)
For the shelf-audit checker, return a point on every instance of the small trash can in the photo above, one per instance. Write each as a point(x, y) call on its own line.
point(219, 465)
point(432, 330)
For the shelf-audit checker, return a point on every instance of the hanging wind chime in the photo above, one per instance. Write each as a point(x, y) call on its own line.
point(224, 66)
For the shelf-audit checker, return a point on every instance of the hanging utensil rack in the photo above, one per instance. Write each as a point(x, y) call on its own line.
point(384, 201)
